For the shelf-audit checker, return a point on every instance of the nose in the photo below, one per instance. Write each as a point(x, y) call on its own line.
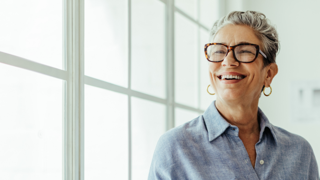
point(229, 60)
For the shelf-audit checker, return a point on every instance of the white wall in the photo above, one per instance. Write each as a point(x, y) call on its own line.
point(298, 25)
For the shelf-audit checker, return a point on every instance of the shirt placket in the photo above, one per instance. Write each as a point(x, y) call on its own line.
point(245, 163)
point(261, 162)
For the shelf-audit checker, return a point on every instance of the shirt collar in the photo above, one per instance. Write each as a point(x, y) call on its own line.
point(264, 123)
point(216, 124)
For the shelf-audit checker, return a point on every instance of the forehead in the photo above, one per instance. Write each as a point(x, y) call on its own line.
point(234, 34)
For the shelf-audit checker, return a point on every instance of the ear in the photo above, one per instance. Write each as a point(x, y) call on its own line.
point(272, 71)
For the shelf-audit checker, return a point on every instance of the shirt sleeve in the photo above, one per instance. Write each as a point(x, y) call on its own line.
point(313, 169)
point(161, 162)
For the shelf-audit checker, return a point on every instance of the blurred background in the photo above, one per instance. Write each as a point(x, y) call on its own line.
point(88, 86)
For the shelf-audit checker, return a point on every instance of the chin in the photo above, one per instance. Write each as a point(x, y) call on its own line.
point(230, 96)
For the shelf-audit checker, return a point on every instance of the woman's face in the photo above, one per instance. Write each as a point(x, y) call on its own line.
point(254, 75)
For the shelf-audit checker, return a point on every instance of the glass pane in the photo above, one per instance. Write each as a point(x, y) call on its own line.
point(182, 116)
point(187, 6)
point(205, 98)
point(106, 41)
point(148, 47)
point(209, 12)
point(106, 134)
point(33, 30)
point(31, 125)
point(186, 61)
point(148, 124)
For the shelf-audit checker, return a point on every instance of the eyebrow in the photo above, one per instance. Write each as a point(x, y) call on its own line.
point(242, 42)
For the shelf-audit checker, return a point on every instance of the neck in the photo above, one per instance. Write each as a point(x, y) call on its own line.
point(241, 114)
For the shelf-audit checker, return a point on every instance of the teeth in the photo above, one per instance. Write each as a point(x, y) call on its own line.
point(231, 77)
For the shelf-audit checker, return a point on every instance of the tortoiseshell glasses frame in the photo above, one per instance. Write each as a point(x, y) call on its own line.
point(232, 48)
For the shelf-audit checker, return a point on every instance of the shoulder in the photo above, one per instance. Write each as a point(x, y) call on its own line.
point(291, 140)
point(170, 149)
point(299, 151)
point(171, 144)
point(191, 130)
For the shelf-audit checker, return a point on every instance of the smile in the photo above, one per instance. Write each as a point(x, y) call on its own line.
point(231, 77)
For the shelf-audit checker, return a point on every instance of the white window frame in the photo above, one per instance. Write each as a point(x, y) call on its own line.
point(73, 75)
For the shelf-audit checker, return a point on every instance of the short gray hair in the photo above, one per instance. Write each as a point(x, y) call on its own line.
point(261, 26)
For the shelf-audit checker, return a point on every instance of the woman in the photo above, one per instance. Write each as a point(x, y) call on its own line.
point(233, 139)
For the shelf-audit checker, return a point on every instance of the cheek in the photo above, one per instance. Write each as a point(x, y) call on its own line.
point(255, 69)
point(259, 77)
point(213, 68)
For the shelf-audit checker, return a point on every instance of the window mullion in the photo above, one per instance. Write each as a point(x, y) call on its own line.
point(74, 139)
point(67, 129)
point(198, 56)
point(129, 95)
point(170, 62)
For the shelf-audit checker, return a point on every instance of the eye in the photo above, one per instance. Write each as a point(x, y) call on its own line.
point(219, 52)
point(245, 51)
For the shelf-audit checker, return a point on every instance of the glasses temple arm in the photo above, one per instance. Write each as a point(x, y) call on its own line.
point(262, 54)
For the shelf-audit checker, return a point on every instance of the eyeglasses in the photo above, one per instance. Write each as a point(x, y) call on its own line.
point(244, 52)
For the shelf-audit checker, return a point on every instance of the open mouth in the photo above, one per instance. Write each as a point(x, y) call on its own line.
point(231, 77)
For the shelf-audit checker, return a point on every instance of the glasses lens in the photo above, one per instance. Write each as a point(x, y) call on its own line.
point(245, 53)
point(216, 52)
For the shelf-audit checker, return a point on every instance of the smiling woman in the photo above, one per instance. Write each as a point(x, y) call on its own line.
point(245, 60)
point(234, 139)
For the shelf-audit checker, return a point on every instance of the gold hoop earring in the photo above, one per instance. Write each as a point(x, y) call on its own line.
point(265, 93)
point(209, 92)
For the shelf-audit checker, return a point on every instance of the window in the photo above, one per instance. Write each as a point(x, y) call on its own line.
point(88, 86)
point(32, 89)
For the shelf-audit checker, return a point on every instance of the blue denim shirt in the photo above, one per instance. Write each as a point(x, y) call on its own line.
point(208, 147)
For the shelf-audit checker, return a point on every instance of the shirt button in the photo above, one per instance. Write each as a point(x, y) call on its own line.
point(261, 162)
